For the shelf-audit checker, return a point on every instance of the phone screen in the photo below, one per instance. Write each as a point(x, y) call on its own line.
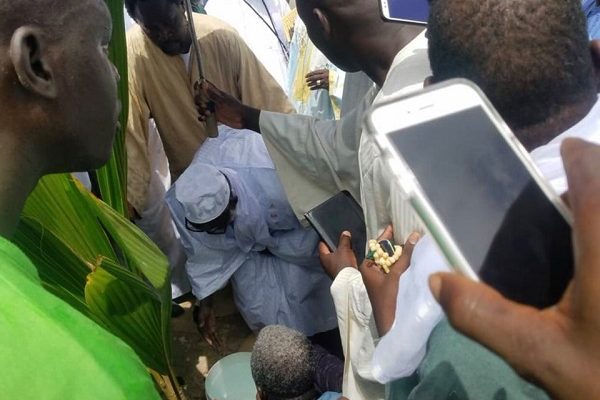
point(408, 10)
point(501, 220)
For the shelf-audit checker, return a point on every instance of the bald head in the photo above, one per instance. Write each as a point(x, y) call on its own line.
point(54, 17)
point(530, 57)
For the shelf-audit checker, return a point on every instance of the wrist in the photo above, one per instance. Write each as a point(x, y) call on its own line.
point(251, 118)
point(343, 267)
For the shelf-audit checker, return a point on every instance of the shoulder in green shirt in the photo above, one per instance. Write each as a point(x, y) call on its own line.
point(457, 368)
point(48, 350)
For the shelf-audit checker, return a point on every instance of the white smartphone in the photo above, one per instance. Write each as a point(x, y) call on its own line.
point(476, 190)
point(411, 11)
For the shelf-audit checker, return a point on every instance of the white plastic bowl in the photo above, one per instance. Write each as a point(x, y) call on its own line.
point(231, 379)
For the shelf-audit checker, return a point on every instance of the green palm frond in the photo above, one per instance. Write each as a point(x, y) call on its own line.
point(112, 178)
point(95, 259)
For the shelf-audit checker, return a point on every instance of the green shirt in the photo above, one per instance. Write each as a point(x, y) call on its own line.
point(457, 368)
point(48, 350)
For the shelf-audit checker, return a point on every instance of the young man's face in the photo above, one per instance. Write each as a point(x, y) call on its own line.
point(88, 88)
point(330, 45)
point(164, 22)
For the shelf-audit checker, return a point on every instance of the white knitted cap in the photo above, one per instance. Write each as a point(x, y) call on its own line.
point(204, 192)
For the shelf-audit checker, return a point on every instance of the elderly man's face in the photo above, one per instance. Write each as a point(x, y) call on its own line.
point(164, 22)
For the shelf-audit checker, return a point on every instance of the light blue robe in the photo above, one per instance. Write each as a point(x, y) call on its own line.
point(287, 286)
point(592, 14)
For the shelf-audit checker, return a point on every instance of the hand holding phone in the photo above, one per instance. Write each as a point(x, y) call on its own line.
point(477, 191)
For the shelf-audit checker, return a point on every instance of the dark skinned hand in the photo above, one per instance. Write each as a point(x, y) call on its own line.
point(558, 347)
point(318, 79)
point(382, 288)
point(342, 257)
point(228, 110)
point(206, 323)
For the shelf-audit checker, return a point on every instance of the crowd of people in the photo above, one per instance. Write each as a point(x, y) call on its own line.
point(230, 209)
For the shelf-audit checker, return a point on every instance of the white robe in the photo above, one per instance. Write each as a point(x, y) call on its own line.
point(287, 286)
point(402, 349)
point(317, 159)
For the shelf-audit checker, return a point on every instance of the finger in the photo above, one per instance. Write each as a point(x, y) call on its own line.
point(202, 117)
point(367, 264)
point(565, 197)
point(517, 333)
point(387, 234)
point(317, 72)
point(323, 249)
point(582, 165)
point(212, 91)
point(215, 338)
point(410, 244)
point(345, 241)
point(407, 250)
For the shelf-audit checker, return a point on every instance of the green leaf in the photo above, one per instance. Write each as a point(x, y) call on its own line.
point(102, 264)
point(112, 178)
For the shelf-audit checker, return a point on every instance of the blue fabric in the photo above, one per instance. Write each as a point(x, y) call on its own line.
point(329, 371)
point(270, 258)
point(330, 396)
point(592, 13)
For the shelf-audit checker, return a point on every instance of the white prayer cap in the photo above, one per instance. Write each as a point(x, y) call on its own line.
point(203, 191)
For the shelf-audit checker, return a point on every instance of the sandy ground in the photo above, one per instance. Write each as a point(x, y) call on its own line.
point(193, 357)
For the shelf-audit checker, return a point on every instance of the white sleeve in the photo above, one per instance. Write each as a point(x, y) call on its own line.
point(402, 349)
point(315, 159)
point(358, 333)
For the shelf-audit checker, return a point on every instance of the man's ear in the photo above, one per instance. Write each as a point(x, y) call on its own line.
point(30, 60)
point(324, 22)
point(595, 51)
point(430, 80)
point(260, 395)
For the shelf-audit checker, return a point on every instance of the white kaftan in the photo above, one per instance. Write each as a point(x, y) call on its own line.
point(271, 260)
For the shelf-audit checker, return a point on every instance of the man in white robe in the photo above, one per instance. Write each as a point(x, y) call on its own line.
point(270, 259)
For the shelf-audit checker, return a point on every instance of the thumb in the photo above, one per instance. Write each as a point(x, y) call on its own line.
point(407, 251)
point(211, 90)
point(323, 249)
point(345, 241)
point(388, 234)
point(513, 331)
